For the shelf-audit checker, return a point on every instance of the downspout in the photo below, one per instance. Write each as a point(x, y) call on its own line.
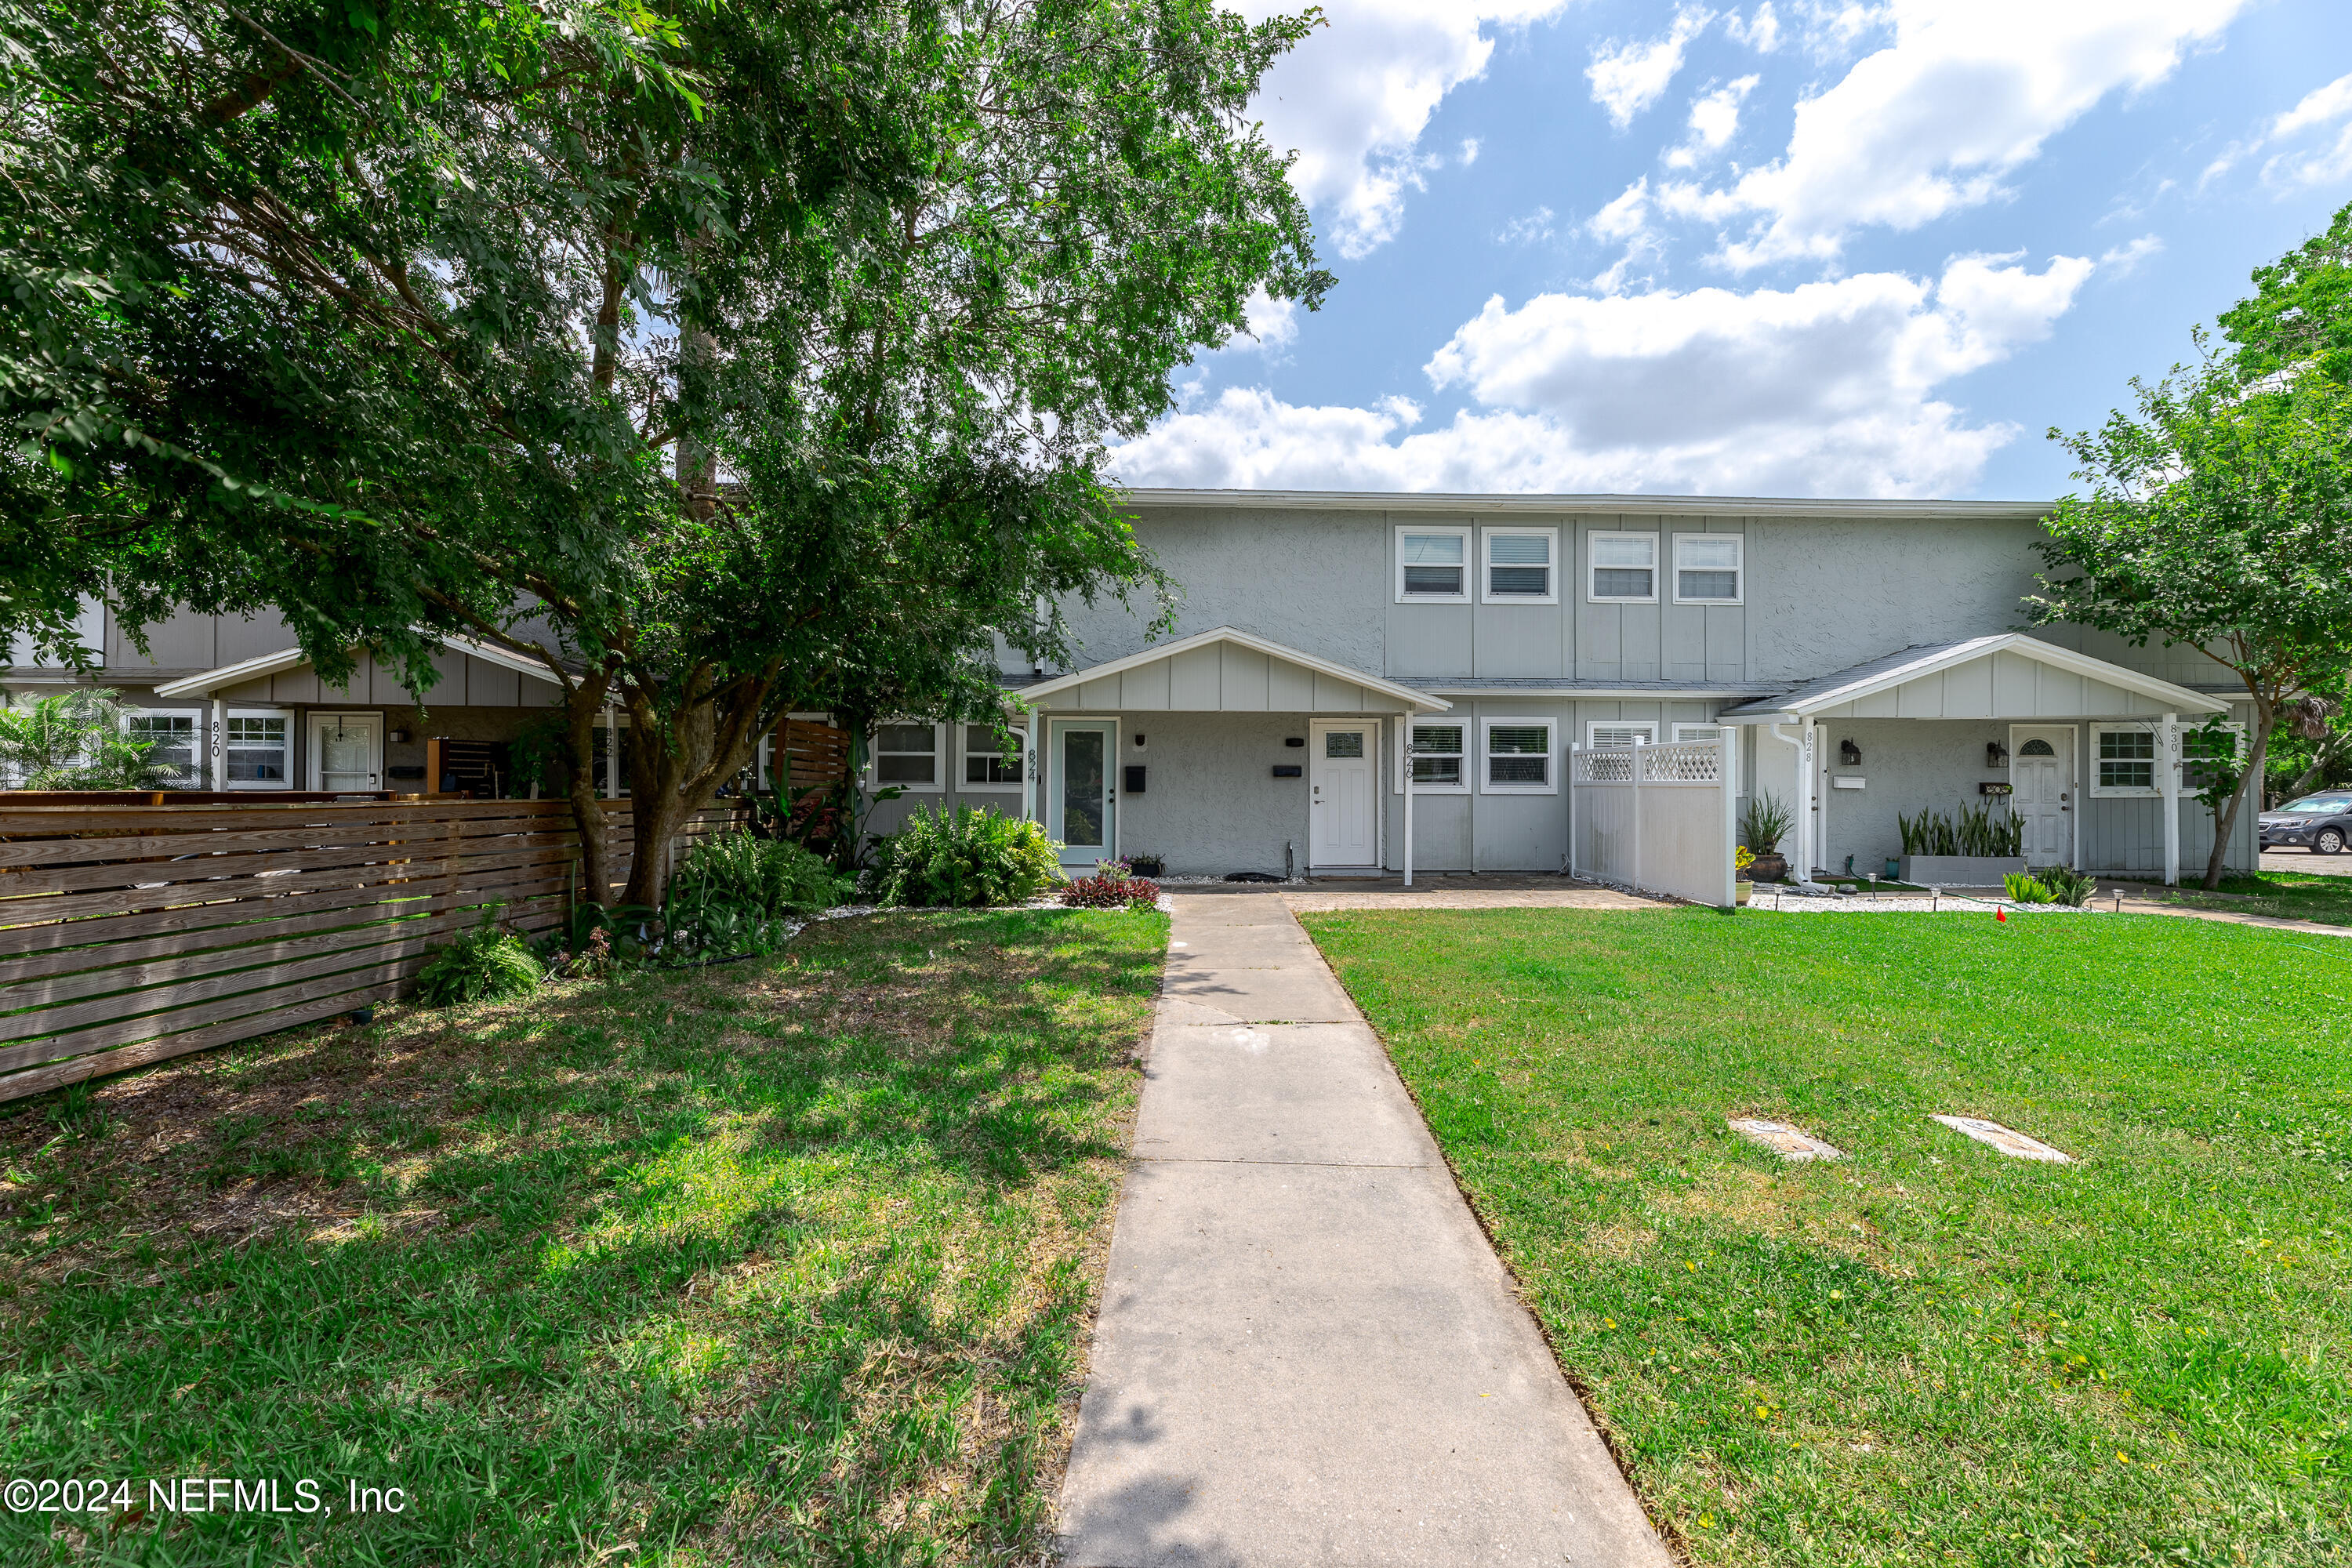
point(1803, 749)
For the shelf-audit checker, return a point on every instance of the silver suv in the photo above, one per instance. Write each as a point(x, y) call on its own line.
point(2321, 823)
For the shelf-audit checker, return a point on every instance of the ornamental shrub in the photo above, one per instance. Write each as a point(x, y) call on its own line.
point(484, 964)
point(766, 878)
point(966, 858)
point(2025, 888)
point(1109, 892)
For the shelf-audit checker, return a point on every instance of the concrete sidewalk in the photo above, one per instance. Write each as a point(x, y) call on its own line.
point(1307, 1351)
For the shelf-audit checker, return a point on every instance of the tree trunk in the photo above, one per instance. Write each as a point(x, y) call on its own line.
point(587, 809)
point(671, 781)
point(2321, 760)
point(2265, 720)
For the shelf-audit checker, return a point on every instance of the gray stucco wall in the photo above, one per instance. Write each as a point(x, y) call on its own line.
point(1213, 804)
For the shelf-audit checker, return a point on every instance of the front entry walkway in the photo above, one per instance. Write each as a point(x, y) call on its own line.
point(1307, 1354)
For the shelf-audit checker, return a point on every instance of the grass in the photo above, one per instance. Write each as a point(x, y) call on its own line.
point(1925, 1352)
point(2284, 894)
point(787, 1262)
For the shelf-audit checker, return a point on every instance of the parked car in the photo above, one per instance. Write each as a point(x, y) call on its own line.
point(2321, 823)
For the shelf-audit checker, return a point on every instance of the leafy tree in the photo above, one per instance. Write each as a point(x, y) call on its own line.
point(2220, 519)
point(429, 315)
point(2299, 318)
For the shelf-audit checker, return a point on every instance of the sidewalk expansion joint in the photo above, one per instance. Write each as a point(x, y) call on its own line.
point(1297, 1165)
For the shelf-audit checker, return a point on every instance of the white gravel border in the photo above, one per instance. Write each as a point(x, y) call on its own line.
point(1899, 904)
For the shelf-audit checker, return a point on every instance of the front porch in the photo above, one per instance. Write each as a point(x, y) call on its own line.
point(2093, 761)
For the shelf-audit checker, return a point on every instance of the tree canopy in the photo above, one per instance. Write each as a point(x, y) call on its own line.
point(2218, 512)
point(728, 359)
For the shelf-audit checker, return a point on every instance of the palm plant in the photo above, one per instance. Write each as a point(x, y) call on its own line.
point(75, 741)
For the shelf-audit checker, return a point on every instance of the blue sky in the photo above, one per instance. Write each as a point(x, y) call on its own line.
point(1781, 248)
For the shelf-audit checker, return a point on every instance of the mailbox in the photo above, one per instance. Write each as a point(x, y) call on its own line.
point(1291, 772)
point(1135, 778)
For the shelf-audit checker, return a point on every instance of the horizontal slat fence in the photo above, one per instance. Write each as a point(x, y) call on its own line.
point(131, 933)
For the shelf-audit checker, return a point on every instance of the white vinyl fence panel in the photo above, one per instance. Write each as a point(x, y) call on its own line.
point(1657, 818)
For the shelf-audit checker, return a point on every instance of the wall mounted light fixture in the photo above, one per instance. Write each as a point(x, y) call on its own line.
point(1849, 754)
point(1996, 755)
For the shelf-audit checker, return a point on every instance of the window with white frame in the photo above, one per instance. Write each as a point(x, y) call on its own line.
point(1437, 754)
point(258, 750)
point(175, 743)
point(1707, 568)
point(2200, 750)
point(2123, 759)
point(1624, 568)
point(907, 755)
point(1434, 563)
point(1599, 734)
point(1520, 757)
point(1519, 566)
point(1697, 731)
point(985, 763)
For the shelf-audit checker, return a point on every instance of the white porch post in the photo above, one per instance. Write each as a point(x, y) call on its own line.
point(1030, 760)
point(1407, 781)
point(1568, 787)
point(1809, 822)
point(2167, 775)
point(1726, 780)
point(2081, 793)
point(217, 769)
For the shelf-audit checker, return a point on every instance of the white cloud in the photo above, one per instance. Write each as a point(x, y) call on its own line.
point(1627, 77)
point(2122, 260)
point(1967, 91)
point(1469, 154)
point(1528, 229)
point(2325, 164)
point(1355, 97)
point(1714, 120)
point(1627, 221)
point(1272, 324)
point(1828, 388)
point(1759, 31)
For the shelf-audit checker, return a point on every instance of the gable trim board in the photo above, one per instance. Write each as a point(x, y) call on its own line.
point(1228, 671)
point(1590, 505)
point(228, 677)
point(2008, 675)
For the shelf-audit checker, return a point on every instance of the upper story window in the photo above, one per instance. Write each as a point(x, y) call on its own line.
point(1707, 568)
point(907, 755)
point(1519, 564)
point(1433, 565)
point(1624, 568)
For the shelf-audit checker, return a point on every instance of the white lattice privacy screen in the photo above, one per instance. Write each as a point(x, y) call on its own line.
point(1656, 817)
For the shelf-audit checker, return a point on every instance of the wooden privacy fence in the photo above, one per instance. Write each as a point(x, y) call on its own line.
point(134, 934)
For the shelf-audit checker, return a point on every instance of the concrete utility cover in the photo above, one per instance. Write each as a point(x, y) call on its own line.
point(2010, 1141)
point(1782, 1139)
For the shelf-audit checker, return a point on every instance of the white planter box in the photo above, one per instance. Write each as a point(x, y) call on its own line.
point(1960, 870)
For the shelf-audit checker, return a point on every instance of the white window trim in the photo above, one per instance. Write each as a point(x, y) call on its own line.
point(940, 754)
point(1486, 594)
point(1469, 564)
point(1593, 567)
point(293, 725)
point(1593, 727)
point(963, 753)
point(1468, 729)
point(2153, 790)
point(200, 757)
point(1486, 728)
point(2188, 730)
point(1739, 546)
point(1681, 731)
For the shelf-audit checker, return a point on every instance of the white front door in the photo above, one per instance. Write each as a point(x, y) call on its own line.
point(346, 752)
point(1342, 792)
point(1081, 799)
point(2041, 782)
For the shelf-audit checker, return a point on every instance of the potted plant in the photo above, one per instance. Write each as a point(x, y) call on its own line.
point(1764, 821)
point(1742, 860)
point(1146, 866)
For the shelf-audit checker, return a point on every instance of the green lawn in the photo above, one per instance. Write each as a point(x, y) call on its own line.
point(1927, 1352)
point(787, 1262)
point(2285, 895)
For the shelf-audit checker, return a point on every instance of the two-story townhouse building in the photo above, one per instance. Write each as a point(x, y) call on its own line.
point(1870, 658)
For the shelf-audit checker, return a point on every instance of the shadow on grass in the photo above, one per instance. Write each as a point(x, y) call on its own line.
point(788, 1260)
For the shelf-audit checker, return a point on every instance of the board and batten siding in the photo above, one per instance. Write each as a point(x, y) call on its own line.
point(2006, 686)
point(1224, 678)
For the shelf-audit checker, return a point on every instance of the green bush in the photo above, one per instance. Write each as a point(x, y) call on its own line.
point(485, 964)
point(2068, 886)
point(766, 878)
point(1764, 821)
point(966, 858)
point(2025, 888)
point(1978, 832)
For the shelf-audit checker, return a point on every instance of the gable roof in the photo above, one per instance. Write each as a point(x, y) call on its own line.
point(1850, 692)
point(206, 682)
point(1216, 683)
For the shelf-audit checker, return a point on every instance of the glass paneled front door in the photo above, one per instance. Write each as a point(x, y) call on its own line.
point(1081, 799)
